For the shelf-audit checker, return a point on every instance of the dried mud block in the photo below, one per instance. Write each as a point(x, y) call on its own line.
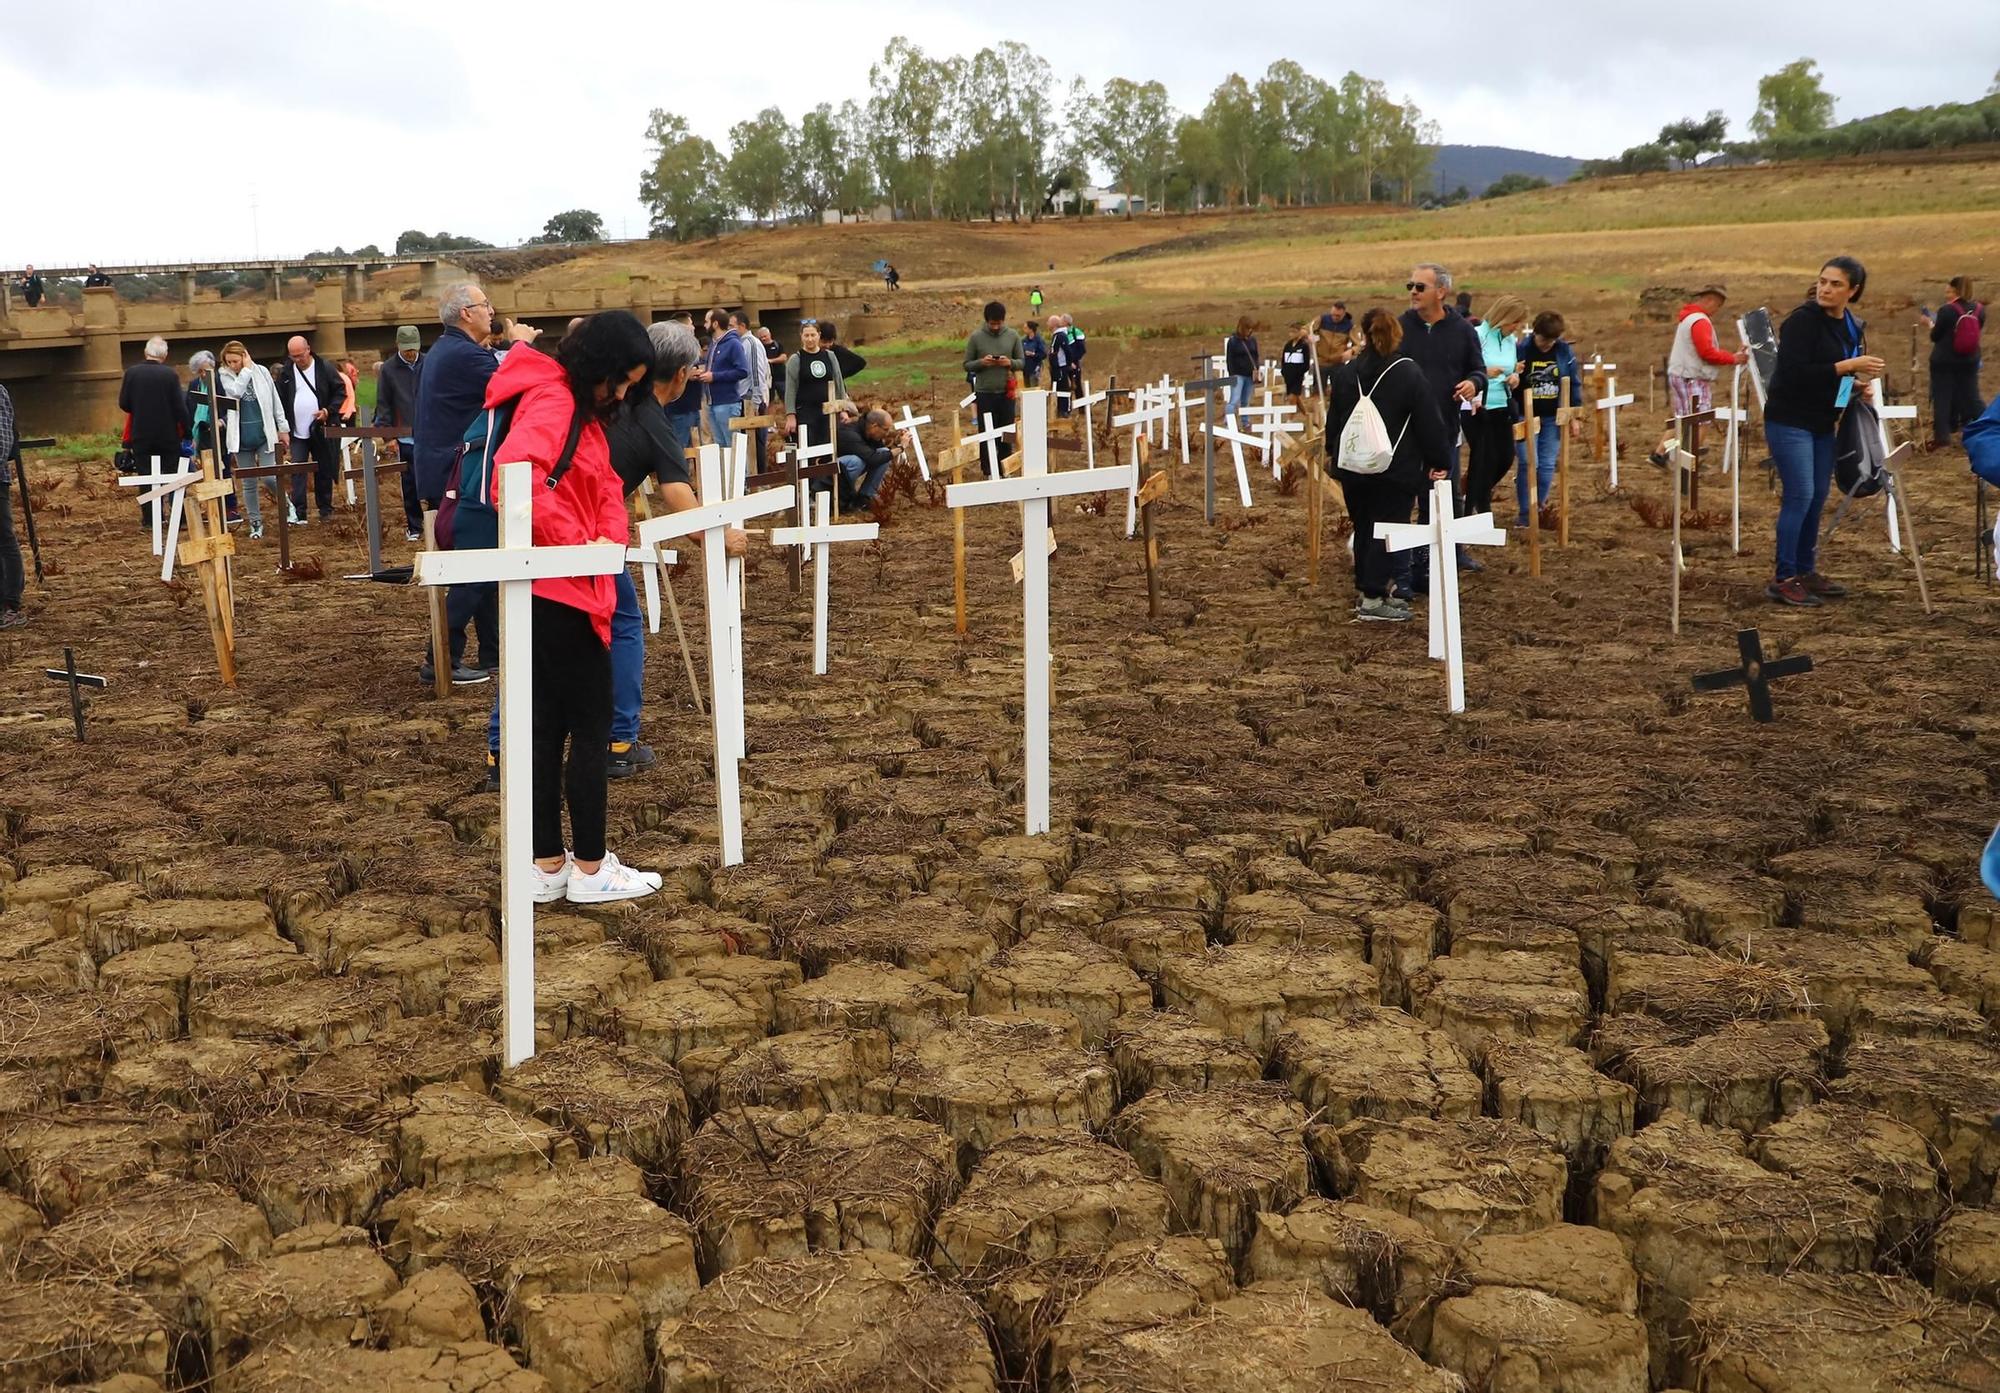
point(1690, 1206)
point(1494, 936)
point(576, 987)
point(824, 1324)
point(353, 1080)
point(1402, 940)
point(1696, 989)
point(1968, 973)
point(1046, 1194)
point(675, 937)
point(1456, 1178)
point(1585, 1266)
point(65, 1041)
point(1978, 923)
point(1926, 1014)
point(1719, 902)
point(449, 1135)
point(1274, 1337)
point(585, 1342)
point(908, 1005)
point(1746, 1074)
point(64, 1332)
point(1517, 1340)
point(1968, 1257)
point(754, 982)
point(1166, 1049)
point(1811, 1333)
point(676, 1015)
point(19, 1222)
point(292, 886)
point(1149, 938)
point(1375, 1062)
point(1002, 874)
point(767, 1184)
point(152, 922)
point(1045, 1314)
point(1855, 866)
point(421, 967)
point(1870, 1151)
point(1483, 886)
point(1900, 919)
point(1365, 851)
point(934, 937)
point(317, 1012)
point(1836, 969)
point(1250, 992)
point(1147, 879)
point(85, 1152)
point(1510, 996)
point(821, 1068)
point(1062, 973)
point(51, 887)
point(1223, 1155)
point(612, 1100)
point(1948, 1090)
point(318, 1286)
point(984, 1078)
point(1328, 917)
point(586, 1227)
point(470, 1367)
point(1554, 1090)
point(162, 1238)
point(1382, 1262)
point(302, 1170)
point(436, 1307)
point(333, 937)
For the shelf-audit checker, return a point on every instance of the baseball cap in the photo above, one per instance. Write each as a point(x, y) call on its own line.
point(407, 337)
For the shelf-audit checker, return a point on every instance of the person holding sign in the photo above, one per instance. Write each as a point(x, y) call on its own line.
point(1822, 361)
point(562, 404)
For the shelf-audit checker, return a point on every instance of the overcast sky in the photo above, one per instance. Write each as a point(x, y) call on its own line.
point(141, 130)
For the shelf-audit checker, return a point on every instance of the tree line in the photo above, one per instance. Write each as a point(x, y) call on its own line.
point(996, 135)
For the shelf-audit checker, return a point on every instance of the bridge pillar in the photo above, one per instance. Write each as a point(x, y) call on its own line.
point(642, 298)
point(276, 280)
point(440, 276)
point(187, 287)
point(329, 319)
point(357, 283)
point(93, 390)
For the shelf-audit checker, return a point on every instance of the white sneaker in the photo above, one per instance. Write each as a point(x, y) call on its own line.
point(614, 881)
point(548, 886)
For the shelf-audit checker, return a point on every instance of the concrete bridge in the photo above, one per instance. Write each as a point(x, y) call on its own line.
point(63, 368)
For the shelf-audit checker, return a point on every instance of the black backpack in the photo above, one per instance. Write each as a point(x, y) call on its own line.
point(1858, 458)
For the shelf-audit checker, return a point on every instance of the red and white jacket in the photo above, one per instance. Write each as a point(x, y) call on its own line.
point(1696, 353)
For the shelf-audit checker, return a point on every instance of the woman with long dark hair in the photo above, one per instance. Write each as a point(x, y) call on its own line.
point(1396, 386)
point(1823, 364)
point(560, 406)
point(1955, 357)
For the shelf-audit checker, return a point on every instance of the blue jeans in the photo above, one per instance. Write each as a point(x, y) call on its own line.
point(680, 430)
point(628, 661)
point(1805, 474)
point(861, 479)
point(1548, 440)
point(719, 418)
point(1239, 397)
point(253, 506)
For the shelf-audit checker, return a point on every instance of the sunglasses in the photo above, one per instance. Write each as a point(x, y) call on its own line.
point(1419, 285)
point(804, 322)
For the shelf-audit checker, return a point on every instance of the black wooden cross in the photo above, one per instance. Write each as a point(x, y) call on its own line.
point(1757, 673)
point(1208, 387)
point(281, 472)
point(28, 504)
point(77, 681)
point(371, 470)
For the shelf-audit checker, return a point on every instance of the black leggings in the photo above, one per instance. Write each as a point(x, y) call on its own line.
point(1490, 433)
point(572, 702)
point(1955, 402)
point(1372, 499)
point(12, 579)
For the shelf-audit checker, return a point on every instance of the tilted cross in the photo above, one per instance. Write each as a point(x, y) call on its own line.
point(990, 438)
point(77, 681)
point(1237, 440)
point(164, 486)
point(1443, 534)
point(908, 426)
point(725, 623)
point(1755, 673)
point(1032, 490)
point(515, 565)
point(820, 537)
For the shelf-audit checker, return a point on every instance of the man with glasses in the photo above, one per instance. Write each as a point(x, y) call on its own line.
point(1446, 347)
point(450, 392)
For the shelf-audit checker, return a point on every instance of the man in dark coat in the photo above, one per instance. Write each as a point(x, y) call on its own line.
point(1445, 345)
point(159, 420)
point(396, 380)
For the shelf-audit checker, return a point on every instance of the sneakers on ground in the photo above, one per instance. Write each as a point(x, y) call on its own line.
point(1398, 602)
point(412, 535)
point(469, 676)
point(629, 758)
point(294, 519)
point(1468, 562)
point(12, 618)
point(492, 772)
point(256, 531)
point(614, 880)
point(1380, 610)
point(1817, 584)
point(1792, 591)
point(550, 886)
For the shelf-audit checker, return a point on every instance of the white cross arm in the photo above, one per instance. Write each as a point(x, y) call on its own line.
point(166, 484)
point(732, 512)
point(968, 399)
point(652, 556)
point(1226, 433)
point(1608, 402)
point(1891, 413)
point(519, 563)
point(1726, 414)
point(1143, 416)
point(908, 425)
point(813, 536)
point(1476, 530)
point(1405, 536)
point(1029, 486)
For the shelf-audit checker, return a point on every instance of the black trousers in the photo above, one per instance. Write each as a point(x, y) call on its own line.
point(1000, 407)
point(572, 705)
point(13, 579)
point(1490, 436)
point(1413, 568)
point(325, 457)
point(1371, 499)
point(1955, 400)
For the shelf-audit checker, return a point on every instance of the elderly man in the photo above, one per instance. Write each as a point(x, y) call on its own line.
point(1696, 359)
point(865, 458)
point(396, 381)
point(1446, 347)
point(310, 391)
point(450, 392)
point(151, 396)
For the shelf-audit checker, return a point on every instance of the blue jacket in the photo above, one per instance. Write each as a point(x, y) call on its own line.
point(1982, 443)
point(730, 368)
point(450, 392)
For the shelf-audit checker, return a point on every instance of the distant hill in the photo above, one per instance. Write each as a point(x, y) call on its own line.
point(1477, 166)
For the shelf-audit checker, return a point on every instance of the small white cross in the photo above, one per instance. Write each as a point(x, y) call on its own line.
point(515, 565)
point(1032, 490)
point(725, 624)
point(1732, 456)
point(908, 426)
point(1884, 414)
point(1083, 404)
point(651, 561)
point(1237, 440)
point(1443, 534)
point(163, 486)
point(1148, 411)
point(819, 537)
point(1611, 402)
point(990, 438)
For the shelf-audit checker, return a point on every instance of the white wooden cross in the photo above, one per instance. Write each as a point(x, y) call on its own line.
point(1679, 462)
point(968, 399)
point(819, 537)
point(516, 564)
point(990, 438)
point(1083, 404)
point(1163, 397)
point(1885, 413)
point(1150, 409)
point(651, 562)
point(1611, 402)
point(1181, 400)
point(1237, 440)
point(1032, 490)
point(1272, 424)
point(1442, 534)
point(725, 624)
point(1732, 456)
point(908, 426)
point(163, 487)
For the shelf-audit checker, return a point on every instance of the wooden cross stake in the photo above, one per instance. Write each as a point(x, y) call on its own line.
point(370, 471)
point(1756, 673)
point(27, 498)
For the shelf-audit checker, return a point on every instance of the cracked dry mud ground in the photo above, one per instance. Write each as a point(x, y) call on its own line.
point(1595, 1040)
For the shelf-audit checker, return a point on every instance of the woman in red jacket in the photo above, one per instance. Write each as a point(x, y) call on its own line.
point(563, 402)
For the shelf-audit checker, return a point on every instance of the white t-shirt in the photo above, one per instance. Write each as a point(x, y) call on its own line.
point(305, 403)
